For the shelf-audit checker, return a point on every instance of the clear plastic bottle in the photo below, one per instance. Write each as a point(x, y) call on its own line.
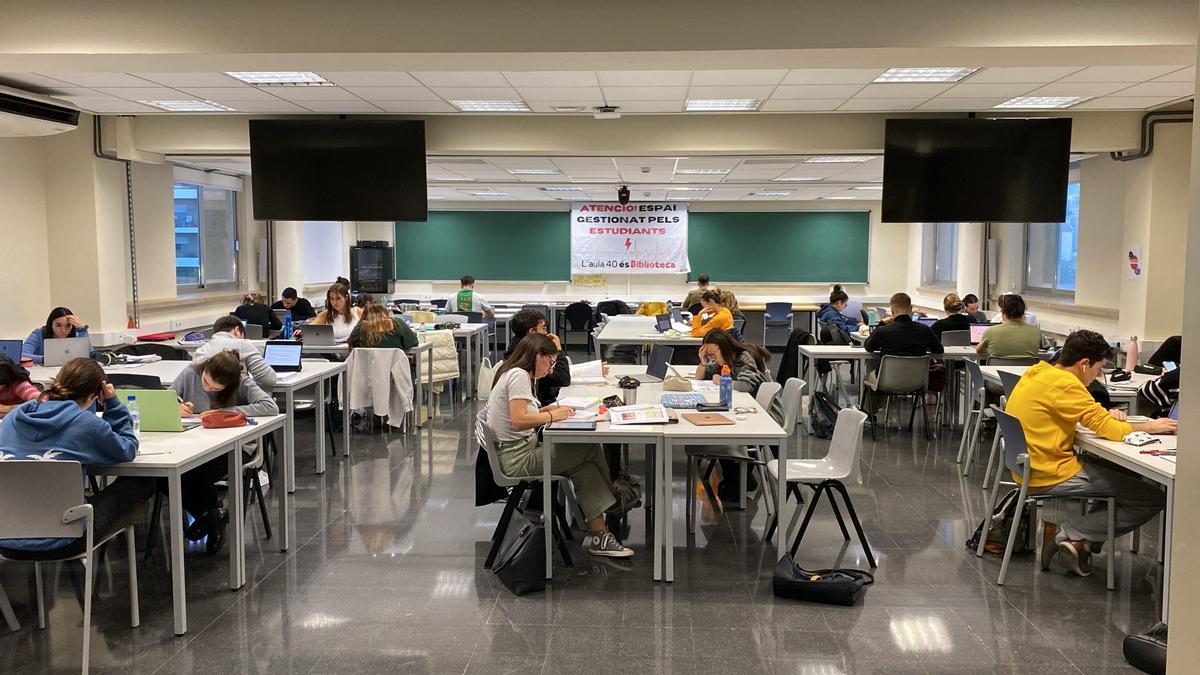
point(421, 333)
point(135, 415)
point(726, 386)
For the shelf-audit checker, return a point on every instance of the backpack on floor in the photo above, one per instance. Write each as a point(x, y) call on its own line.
point(521, 566)
point(824, 415)
point(999, 525)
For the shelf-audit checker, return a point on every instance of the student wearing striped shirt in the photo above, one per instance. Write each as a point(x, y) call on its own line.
point(15, 387)
point(1161, 393)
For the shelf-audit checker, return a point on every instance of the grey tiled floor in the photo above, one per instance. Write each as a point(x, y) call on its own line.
point(385, 576)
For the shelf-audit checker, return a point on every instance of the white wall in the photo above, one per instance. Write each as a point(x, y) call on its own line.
point(23, 222)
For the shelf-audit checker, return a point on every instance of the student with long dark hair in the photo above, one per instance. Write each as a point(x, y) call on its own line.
point(514, 414)
point(15, 387)
point(62, 323)
point(1013, 338)
point(378, 329)
point(831, 312)
point(339, 312)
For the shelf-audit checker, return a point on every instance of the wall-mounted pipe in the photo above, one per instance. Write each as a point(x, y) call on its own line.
point(1149, 121)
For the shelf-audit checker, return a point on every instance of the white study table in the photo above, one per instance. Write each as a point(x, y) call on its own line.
point(169, 455)
point(1119, 392)
point(630, 329)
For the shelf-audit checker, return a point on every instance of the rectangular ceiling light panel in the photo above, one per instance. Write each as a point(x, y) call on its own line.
point(951, 74)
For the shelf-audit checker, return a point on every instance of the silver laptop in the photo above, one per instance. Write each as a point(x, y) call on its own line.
point(318, 336)
point(656, 369)
point(253, 331)
point(61, 350)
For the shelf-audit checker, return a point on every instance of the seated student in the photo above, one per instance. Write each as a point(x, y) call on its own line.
point(15, 387)
point(363, 299)
point(956, 317)
point(514, 414)
point(900, 337)
point(301, 308)
point(712, 315)
point(1013, 338)
point(693, 296)
point(831, 312)
point(728, 300)
point(61, 323)
point(62, 424)
point(971, 307)
point(343, 281)
point(467, 300)
point(531, 322)
point(1170, 350)
point(254, 310)
point(217, 383)
point(229, 335)
point(378, 329)
point(1161, 393)
point(338, 312)
point(1050, 400)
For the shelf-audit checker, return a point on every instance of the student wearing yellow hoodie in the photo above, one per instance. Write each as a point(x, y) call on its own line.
point(1049, 401)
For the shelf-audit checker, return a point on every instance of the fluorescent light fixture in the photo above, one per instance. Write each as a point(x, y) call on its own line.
point(188, 106)
point(456, 179)
point(489, 194)
point(674, 197)
point(567, 108)
point(491, 106)
point(434, 197)
point(281, 78)
point(535, 172)
point(837, 197)
point(769, 193)
point(1042, 102)
point(690, 189)
point(867, 187)
point(561, 189)
point(839, 159)
point(794, 179)
point(702, 172)
point(924, 74)
point(723, 104)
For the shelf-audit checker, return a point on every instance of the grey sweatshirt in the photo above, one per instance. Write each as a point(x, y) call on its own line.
point(253, 361)
point(251, 399)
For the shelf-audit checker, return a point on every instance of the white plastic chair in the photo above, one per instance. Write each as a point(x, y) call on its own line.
point(827, 475)
point(792, 402)
point(976, 395)
point(44, 500)
point(456, 318)
point(1008, 381)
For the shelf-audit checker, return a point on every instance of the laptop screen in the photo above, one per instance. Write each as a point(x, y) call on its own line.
point(282, 354)
point(11, 349)
point(1175, 411)
point(662, 322)
point(977, 331)
point(660, 356)
point(927, 320)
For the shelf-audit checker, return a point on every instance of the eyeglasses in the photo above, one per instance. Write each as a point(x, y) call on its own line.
point(744, 411)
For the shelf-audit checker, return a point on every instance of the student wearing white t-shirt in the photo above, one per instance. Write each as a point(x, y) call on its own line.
point(339, 312)
point(514, 415)
point(467, 300)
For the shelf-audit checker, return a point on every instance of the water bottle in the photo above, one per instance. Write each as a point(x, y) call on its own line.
point(726, 387)
point(135, 416)
point(1131, 354)
point(287, 326)
point(421, 333)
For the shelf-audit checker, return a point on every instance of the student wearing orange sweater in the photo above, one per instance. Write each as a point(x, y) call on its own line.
point(712, 315)
point(1049, 401)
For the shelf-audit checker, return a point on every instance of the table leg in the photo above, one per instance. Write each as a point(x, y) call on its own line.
point(175, 513)
point(320, 422)
point(237, 545)
point(780, 500)
point(431, 399)
point(417, 391)
point(547, 512)
point(289, 441)
point(657, 477)
point(1169, 518)
point(667, 507)
point(346, 413)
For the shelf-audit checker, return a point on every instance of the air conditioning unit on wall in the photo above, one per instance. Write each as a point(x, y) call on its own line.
point(26, 114)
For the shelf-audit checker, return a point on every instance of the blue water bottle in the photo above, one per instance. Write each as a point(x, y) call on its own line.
point(287, 326)
point(726, 387)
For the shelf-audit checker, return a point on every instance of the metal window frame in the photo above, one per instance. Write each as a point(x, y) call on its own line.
point(202, 285)
point(929, 254)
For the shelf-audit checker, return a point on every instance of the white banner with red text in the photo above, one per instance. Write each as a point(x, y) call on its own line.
point(634, 238)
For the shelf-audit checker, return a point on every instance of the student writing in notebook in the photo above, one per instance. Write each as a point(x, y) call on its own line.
point(531, 321)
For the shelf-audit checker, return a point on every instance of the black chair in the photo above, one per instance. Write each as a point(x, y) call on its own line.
point(131, 381)
point(577, 318)
point(439, 303)
point(407, 301)
point(164, 351)
point(695, 309)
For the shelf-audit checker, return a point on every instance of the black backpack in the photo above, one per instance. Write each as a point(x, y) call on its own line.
point(998, 526)
point(521, 566)
point(824, 415)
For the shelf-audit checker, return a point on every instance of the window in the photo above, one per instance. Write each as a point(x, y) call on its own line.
point(939, 260)
point(205, 236)
point(1050, 250)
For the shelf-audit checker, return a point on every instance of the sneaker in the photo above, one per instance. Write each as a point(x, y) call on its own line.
point(1076, 556)
point(629, 478)
point(607, 545)
point(627, 500)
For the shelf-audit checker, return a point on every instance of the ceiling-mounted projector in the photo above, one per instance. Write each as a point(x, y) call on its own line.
point(606, 112)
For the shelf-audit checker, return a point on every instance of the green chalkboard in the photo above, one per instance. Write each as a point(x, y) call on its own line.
point(780, 246)
point(495, 245)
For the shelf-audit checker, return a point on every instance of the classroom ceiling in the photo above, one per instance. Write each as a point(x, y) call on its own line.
point(812, 90)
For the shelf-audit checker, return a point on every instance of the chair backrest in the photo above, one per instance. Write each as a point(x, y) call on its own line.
point(778, 311)
point(440, 303)
point(832, 334)
point(1016, 450)
point(975, 384)
point(1008, 381)
point(132, 381)
point(407, 301)
point(767, 391)
point(1012, 361)
point(903, 374)
point(791, 399)
point(487, 440)
point(34, 496)
point(456, 318)
point(695, 308)
point(165, 352)
point(956, 338)
point(420, 316)
point(578, 315)
point(845, 449)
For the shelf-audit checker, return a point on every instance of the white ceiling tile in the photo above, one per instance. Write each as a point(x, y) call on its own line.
point(185, 80)
point(1182, 75)
point(220, 94)
point(32, 81)
point(394, 93)
point(903, 90)
point(415, 106)
point(644, 78)
point(645, 93)
point(370, 78)
point(302, 94)
point(265, 106)
point(989, 90)
point(1124, 102)
point(340, 106)
point(561, 93)
point(1091, 89)
point(585, 106)
point(518, 163)
point(81, 92)
point(100, 79)
point(461, 78)
point(1120, 73)
point(552, 78)
point(815, 91)
point(832, 75)
point(802, 105)
point(963, 104)
point(882, 104)
point(1158, 89)
point(107, 106)
point(737, 77)
point(147, 93)
point(647, 106)
point(478, 93)
point(730, 92)
point(1036, 74)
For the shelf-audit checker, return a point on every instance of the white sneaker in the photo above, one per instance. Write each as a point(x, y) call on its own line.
point(264, 479)
point(607, 545)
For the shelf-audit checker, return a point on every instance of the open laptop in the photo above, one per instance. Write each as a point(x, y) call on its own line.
point(253, 331)
point(158, 409)
point(656, 369)
point(677, 316)
point(283, 355)
point(666, 322)
point(977, 331)
point(1174, 412)
point(60, 350)
point(281, 314)
point(11, 349)
point(320, 335)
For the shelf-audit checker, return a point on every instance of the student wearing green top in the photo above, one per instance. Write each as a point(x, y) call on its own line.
point(377, 329)
point(467, 300)
point(1013, 338)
